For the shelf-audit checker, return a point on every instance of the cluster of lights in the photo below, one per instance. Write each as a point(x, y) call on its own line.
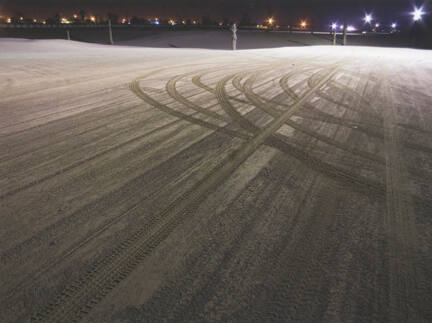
point(350, 28)
point(417, 15)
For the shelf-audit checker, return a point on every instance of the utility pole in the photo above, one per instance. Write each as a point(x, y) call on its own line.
point(110, 32)
point(345, 32)
point(334, 38)
point(68, 34)
point(234, 36)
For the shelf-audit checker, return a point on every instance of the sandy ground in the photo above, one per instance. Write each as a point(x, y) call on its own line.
point(140, 185)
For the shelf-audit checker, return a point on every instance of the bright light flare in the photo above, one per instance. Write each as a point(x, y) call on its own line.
point(351, 28)
point(377, 25)
point(334, 26)
point(368, 18)
point(418, 14)
point(270, 21)
point(303, 24)
point(394, 25)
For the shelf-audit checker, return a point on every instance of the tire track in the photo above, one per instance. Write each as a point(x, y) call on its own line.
point(77, 300)
point(405, 279)
point(341, 175)
point(80, 162)
point(279, 142)
point(121, 99)
point(263, 104)
point(33, 277)
point(173, 92)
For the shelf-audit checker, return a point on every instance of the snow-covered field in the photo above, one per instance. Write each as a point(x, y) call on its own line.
point(153, 184)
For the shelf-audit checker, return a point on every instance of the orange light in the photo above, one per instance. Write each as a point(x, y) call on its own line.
point(93, 19)
point(270, 21)
point(303, 24)
point(9, 20)
point(75, 16)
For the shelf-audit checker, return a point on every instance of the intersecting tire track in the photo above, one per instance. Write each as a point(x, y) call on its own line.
point(80, 297)
point(262, 104)
point(14, 251)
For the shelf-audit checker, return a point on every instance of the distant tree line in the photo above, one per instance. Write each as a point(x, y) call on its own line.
point(82, 17)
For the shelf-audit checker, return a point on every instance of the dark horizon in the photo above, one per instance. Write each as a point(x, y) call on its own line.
point(317, 12)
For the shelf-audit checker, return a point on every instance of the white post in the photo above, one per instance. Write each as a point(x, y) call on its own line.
point(334, 38)
point(68, 34)
point(110, 33)
point(234, 36)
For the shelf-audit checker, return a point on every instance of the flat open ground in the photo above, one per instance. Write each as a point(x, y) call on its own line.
point(290, 184)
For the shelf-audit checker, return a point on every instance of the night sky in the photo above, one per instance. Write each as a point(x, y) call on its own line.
point(285, 11)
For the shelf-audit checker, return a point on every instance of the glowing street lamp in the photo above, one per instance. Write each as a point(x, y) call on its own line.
point(394, 25)
point(368, 18)
point(303, 24)
point(377, 25)
point(93, 19)
point(270, 21)
point(418, 14)
point(334, 26)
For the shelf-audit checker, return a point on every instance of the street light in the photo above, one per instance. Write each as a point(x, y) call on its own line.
point(418, 13)
point(394, 25)
point(368, 18)
point(334, 26)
